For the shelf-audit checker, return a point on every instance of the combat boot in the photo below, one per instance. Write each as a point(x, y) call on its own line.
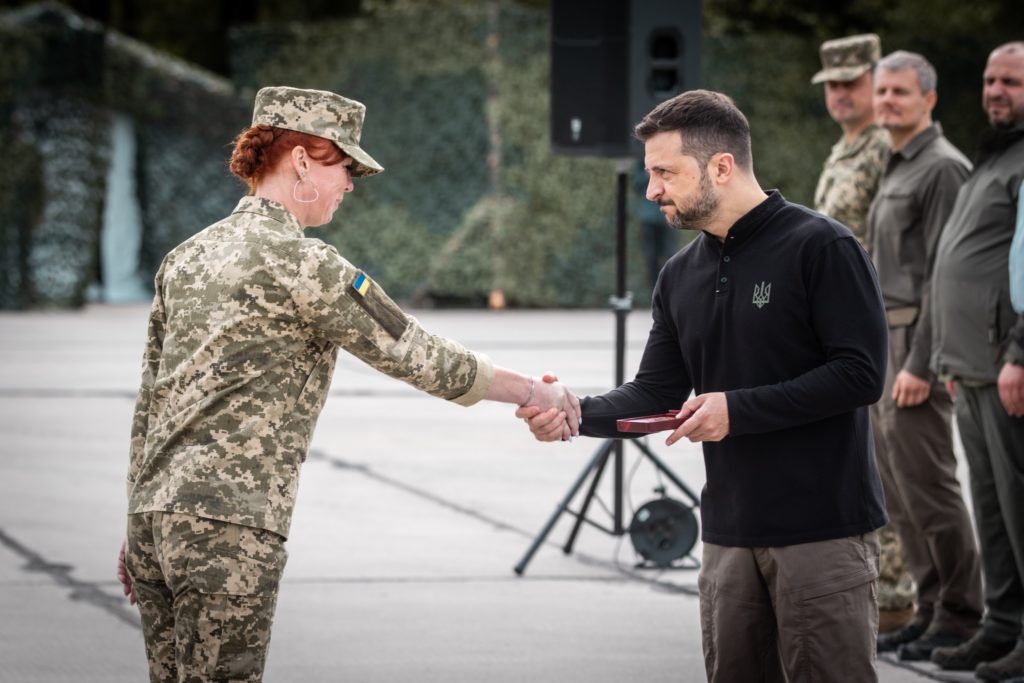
point(920, 650)
point(888, 642)
point(966, 657)
point(1008, 667)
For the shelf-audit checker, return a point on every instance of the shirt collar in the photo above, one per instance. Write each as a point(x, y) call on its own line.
point(920, 141)
point(750, 222)
point(269, 209)
point(995, 140)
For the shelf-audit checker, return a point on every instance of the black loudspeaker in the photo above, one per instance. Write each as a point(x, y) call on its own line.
point(612, 61)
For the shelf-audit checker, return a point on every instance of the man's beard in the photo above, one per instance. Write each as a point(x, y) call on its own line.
point(698, 214)
point(1012, 120)
point(995, 139)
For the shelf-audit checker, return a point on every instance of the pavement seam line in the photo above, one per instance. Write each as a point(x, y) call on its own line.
point(84, 591)
point(367, 471)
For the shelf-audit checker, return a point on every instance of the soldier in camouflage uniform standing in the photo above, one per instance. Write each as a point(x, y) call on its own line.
point(851, 174)
point(848, 183)
point(245, 327)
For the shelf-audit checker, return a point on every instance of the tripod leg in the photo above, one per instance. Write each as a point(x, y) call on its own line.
point(668, 473)
point(606, 449)
point(598, 460)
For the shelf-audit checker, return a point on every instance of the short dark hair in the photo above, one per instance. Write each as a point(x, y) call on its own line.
point(708, 123)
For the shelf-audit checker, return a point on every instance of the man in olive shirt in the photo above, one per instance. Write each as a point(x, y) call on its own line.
point(913, 419)
point(845, 189)
point(852, 171)
point(978, 344)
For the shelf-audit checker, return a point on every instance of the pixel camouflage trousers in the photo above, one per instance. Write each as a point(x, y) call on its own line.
point(207, 591)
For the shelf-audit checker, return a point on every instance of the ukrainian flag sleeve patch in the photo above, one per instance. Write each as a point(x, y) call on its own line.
point(361, 284)
point(384, 312)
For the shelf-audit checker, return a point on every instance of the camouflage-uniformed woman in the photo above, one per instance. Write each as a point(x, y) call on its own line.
point(244, 330)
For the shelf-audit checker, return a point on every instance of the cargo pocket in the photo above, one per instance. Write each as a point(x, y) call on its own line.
point(708, 605)
point(1001, 320)
point(235, 589)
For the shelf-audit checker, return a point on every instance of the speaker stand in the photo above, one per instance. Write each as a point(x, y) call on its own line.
point(621, 305)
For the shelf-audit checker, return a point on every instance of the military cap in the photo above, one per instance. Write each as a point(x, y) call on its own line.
point(845, 59)
point(321, 113)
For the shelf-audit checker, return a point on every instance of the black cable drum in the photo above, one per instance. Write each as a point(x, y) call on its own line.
point(663, 530)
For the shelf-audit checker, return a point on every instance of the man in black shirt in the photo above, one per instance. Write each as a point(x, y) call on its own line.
point(773, 317)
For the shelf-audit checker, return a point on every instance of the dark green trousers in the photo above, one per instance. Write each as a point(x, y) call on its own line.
point(994, 445)
point(914, 450)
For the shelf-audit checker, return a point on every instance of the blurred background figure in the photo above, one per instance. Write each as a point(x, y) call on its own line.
point(851, 173)
point(913, 420)
point(978, 345)
point(846, 186)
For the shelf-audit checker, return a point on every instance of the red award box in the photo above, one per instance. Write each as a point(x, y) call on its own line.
point(651, 423)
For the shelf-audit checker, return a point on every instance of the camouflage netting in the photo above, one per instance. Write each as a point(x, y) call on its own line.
point(454, 216)
point(21, 198)
point(61, 79)
point(70, 140)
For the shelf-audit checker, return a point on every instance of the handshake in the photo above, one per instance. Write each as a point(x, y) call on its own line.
point(553, 413)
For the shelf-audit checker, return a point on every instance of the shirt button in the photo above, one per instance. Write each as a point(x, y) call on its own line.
point(725, 258)
point(725, 279)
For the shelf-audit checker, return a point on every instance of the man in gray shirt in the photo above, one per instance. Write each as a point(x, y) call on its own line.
point(913, 419)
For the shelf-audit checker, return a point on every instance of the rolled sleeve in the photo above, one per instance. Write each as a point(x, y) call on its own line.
point(481, 382)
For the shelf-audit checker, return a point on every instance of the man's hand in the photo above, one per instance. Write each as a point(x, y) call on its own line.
point(951, 388)
point(707, 419)
point(122, 576)
point(909, 390)
point(1011, 389)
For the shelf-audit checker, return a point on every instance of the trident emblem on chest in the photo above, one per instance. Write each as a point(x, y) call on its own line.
point(761, 294)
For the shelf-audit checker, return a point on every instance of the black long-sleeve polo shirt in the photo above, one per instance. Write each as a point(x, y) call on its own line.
point(785, 316)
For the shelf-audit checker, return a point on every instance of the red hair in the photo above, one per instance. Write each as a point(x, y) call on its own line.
point(259, 149)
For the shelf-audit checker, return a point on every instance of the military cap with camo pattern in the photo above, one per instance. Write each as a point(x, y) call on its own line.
point(321, 113)
point(845, 59)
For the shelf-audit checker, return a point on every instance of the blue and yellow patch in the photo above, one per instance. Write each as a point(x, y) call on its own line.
point(362, 284)
point(376, 303)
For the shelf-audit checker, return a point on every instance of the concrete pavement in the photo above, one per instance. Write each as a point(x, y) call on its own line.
point(411, 515)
